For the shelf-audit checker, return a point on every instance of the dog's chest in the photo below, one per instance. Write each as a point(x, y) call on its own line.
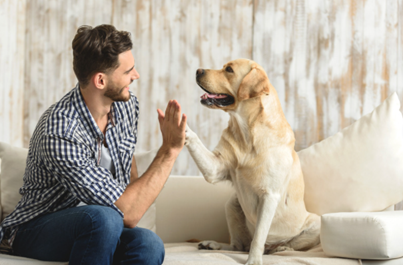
point(253, 169)
point(248, 200)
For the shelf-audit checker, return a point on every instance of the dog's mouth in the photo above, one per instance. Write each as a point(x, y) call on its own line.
point(220, 100)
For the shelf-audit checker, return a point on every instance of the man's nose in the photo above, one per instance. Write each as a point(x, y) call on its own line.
point(135, 75)
point(200, 72)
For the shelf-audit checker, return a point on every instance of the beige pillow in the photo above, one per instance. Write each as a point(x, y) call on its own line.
point(13, 162)
point(12, 172)
point(359, 168)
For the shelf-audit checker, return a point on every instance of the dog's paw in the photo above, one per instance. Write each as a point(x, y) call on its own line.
point(210, 245)
point(190, 135)
point(254, 261)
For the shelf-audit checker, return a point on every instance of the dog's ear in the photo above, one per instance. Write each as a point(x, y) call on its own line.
point(254, 84)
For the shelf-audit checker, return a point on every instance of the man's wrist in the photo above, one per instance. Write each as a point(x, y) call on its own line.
point(169, 152)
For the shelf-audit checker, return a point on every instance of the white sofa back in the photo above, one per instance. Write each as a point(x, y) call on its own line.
point(191, 208)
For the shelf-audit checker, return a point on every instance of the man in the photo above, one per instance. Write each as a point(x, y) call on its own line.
point(81, 152)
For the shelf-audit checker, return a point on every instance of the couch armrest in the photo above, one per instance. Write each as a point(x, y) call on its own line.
point(363, 235)
point(190, 208)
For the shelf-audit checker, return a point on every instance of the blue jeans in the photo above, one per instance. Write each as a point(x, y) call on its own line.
point(89, 234)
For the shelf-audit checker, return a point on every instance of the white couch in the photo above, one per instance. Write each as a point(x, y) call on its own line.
point(350, 179)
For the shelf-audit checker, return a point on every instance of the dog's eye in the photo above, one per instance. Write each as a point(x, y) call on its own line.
point(229, 69)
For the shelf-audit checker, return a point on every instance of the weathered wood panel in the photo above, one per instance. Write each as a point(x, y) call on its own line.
point(172, 39)
point(12, 43)
point(51, 26)
point(331, 61)
point(399, 57)
point(399, 52)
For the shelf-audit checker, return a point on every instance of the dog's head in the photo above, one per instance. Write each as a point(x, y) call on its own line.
point(237, 81)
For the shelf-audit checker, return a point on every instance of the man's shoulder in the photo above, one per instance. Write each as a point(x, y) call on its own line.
point(59, 121)
point(59, 118)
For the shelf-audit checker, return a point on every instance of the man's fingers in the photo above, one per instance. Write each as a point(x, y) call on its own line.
point(161, 116)
point(168, 109)
point(173, 113)
point(177, 115)
point(183, 124)
point(174, 106)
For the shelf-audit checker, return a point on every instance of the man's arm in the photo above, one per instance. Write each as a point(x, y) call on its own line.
point(142, 192)
point(134, 174)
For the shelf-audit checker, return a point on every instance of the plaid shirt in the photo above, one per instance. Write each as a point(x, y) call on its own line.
point(63, 168)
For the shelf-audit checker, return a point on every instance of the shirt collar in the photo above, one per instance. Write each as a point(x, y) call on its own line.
point(115, 114)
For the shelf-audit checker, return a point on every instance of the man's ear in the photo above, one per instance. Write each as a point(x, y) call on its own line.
point(254, 84)
point(99, 80)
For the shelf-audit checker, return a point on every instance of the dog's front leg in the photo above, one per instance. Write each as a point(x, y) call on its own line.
point(208, 163)
point(268, 203)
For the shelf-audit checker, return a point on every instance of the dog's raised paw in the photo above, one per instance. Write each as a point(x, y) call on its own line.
point(210, 245)
point(190, 135)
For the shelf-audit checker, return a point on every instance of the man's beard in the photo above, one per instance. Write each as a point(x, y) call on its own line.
point(116, 94)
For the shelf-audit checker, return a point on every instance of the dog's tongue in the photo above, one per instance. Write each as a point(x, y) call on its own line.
point(207, 95)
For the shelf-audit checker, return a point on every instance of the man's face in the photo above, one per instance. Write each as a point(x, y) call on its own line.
point(119, 80)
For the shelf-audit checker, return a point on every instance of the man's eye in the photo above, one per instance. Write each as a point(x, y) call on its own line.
point(229, 69)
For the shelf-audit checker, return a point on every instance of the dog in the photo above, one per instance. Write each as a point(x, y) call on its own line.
point(267, 213)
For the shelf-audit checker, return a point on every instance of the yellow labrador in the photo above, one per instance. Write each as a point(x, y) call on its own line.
point(256, 153)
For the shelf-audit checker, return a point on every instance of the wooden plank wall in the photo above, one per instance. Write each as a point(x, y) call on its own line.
point(172, 39)
point(12, 47)
point(330, 61)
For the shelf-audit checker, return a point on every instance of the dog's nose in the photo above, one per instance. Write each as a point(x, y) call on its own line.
point(199, 72)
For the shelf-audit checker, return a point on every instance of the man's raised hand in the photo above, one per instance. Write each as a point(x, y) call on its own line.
point(172, 125)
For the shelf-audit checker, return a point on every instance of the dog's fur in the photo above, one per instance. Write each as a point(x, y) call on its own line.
point(256, 153)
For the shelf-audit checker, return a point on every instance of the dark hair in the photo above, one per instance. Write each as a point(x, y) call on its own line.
point(97, 50)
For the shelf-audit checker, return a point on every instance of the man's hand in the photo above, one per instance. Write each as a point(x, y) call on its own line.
point(172, 125)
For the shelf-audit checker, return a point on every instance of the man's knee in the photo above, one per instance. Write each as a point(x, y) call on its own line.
point(103, 221)
point(145, 244)
point(153, 243)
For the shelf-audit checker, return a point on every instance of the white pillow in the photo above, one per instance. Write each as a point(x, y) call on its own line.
point(363, 235)
point(12, 172)
point(359, 168)
point(13, 162)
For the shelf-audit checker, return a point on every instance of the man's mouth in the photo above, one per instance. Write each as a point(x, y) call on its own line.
point(220, 100)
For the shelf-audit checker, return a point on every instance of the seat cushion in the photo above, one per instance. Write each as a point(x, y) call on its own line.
point(359, 168)
point(363, 235)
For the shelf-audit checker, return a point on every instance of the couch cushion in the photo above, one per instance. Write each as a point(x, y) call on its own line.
point(363, 235)
point(14, 260)
point(189, 254)
point(359, 168)
point(13, 160)
point(12, 172)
